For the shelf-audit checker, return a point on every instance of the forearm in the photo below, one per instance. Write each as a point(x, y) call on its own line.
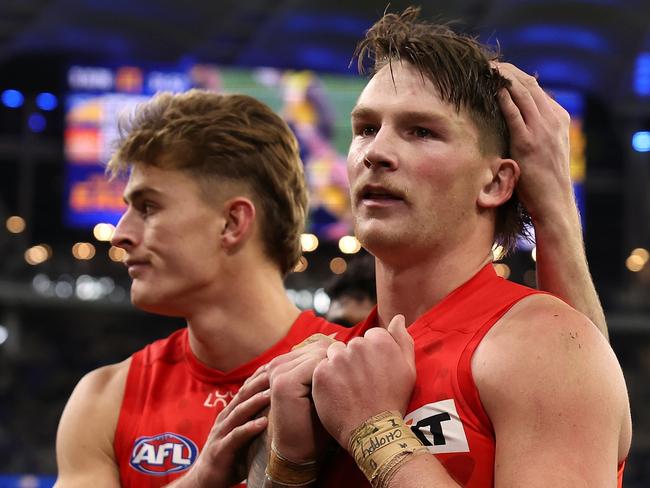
point(258, 456)
point(422, 471)
point(562, 267)
point(258, 462)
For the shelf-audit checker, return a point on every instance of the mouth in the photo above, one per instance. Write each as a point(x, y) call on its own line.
point(377, 195)
point(135, 267)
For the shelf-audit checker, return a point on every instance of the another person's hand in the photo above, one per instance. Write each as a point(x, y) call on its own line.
point(222, 462)
point(539, 142)
point(369, 375)
point(295, 430)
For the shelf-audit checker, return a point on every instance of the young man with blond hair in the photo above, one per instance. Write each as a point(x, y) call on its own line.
point(216, 203)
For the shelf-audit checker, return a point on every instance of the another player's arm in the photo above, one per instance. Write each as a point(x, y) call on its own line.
point(539, 131)
point(556, 397)
point(84, 443)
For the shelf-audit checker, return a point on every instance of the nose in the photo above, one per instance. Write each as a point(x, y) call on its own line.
point(126, 234)
point(381, 152)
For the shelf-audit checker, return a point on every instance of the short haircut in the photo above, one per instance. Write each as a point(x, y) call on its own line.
point(460, 67)
point(224, 138)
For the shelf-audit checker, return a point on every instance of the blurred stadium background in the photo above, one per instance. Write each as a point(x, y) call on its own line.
point(67, 67)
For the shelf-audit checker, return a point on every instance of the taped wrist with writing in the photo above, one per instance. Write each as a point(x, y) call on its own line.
point(282, 471)
point(381, 445)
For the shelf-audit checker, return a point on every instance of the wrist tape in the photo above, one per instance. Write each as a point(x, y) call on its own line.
point(282, 471)
point(381, 445)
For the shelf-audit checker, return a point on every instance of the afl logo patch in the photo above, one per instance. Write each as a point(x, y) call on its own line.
point(163, 454)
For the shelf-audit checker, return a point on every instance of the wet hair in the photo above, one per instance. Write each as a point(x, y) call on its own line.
point(461, 69)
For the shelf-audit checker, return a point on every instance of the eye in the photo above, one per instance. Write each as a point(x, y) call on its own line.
point(364, 130)
point(146, 208)
point(422, 133)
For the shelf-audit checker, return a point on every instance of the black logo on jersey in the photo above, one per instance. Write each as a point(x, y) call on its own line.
point(434, 425)
point(439, 427)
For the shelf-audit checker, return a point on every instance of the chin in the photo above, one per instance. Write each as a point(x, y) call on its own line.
point(378, 239)
point(157, 305)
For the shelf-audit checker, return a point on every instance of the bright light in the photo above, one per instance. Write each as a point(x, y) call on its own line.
point(37, 254)
point(117, 254)
point(12, 98)
point(642, 74)
point(42, 284)
point(641, 141)
point(634, 263)
point(497, 252)
point(304, 299)
point(321, 301)
point(36, 122)
point(502, 270)
point(103, 232)
point(309, 242)
point(349, 245)
point(46, 101)
point(4, 334)
point(338, 265)
point(63, 289)
point(301, 266)
point(533, 254)
point(87, 288)
point(83, 251)
point(15, 224)
point(642, 253)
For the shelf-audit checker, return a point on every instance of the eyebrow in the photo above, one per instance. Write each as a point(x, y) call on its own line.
point(139, 194)
point(413, 116)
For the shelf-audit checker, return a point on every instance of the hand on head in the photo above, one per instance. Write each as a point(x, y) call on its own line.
point(539, 142)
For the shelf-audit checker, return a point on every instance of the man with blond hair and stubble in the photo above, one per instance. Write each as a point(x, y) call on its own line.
point(463, 378)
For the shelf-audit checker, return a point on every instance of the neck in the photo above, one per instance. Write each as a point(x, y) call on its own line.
point(249, 314)
point(411, 289)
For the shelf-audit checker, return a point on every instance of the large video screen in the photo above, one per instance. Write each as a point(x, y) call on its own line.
point(316, 106)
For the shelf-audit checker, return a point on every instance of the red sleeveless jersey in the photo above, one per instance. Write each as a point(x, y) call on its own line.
point(171, 401)
point(445, 411)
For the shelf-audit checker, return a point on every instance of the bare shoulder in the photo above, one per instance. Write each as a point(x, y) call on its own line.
point(84, 443)
point(543, 320)
point(98, 395)
point(545, 365)
point(540, 338)
point(107, 380)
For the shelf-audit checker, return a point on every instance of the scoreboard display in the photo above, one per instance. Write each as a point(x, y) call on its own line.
point(316, 106)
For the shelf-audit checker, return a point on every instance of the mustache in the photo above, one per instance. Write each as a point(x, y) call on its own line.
point(364, 187)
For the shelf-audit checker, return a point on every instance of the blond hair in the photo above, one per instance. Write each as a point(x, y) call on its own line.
point(217, 138)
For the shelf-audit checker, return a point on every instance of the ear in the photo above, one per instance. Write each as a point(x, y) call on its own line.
point(500, 183)
point(239, 214)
